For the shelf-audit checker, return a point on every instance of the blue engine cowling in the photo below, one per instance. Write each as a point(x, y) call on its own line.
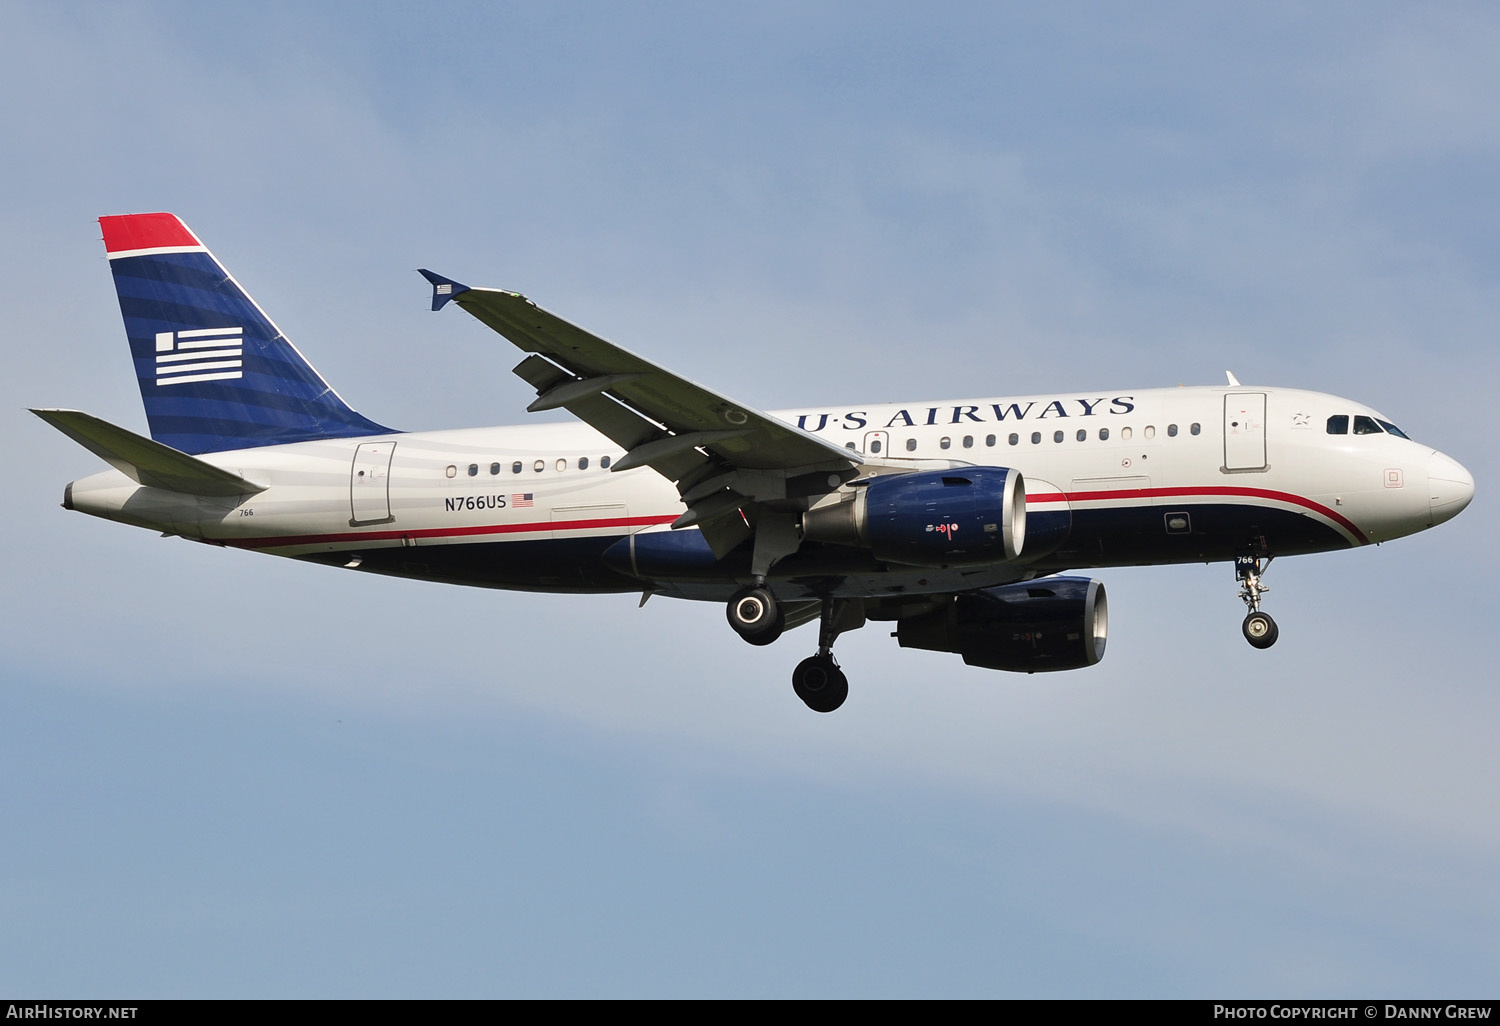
point(937, 518)
point(1055, 623)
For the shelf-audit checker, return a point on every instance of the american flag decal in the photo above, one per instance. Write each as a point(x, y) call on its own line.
point(521, 500)
point(445, 290)
point(203, 354)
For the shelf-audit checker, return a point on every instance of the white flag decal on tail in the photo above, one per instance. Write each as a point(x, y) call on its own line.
point(204, 354)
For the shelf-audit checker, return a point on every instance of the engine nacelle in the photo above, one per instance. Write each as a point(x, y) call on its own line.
point(1055, 623)
point(936, 518)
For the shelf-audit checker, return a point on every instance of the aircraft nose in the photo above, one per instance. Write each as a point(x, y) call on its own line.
point(1449, 485)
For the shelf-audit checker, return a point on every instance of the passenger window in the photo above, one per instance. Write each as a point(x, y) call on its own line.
point(1125, 433)
point(1338, 424)
point(1150, 430)
point(849, 446)
point(1366, 426)
point(515, 468)
point(473, 470)
point(562, 464)
point(1083, 436)
point(1195, 429)
point(539, 466)
point(1171, 430)
point(1036, 438)
point(944, 442)
point(1104, 434)
point(451, 471)
point(911, 445)
point(968, 441)
point(494, 469)
point(875, 447)
point(604, 462)
point(989, 440)
point(583, 463)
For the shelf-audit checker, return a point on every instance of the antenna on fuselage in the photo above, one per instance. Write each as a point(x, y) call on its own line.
point(1234, 382)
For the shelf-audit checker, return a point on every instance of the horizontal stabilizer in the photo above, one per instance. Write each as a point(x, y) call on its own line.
point(146, 462)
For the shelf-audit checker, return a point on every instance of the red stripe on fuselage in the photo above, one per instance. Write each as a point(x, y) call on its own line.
point(1165, 493)
point(625, 522)
point(445, 532)
point(145, 231)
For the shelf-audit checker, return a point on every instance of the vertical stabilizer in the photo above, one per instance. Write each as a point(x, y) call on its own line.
point(215, 372)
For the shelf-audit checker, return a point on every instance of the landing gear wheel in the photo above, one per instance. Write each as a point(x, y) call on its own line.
point(1260, 630)
point(820, 683)
point(755, 615)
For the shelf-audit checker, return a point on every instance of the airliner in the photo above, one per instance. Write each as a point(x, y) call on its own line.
point(956, 521)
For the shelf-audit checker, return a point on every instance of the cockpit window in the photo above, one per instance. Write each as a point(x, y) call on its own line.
point(1366, 425)
point(1338, 424)
point(1393, 429)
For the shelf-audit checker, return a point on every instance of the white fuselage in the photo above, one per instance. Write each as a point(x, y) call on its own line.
point(1147, 476)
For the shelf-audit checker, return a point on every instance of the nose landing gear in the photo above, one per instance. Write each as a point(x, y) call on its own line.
point(1259, 629)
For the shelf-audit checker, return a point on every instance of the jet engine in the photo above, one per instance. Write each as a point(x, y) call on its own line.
point(935, 518)
point(1055, 623)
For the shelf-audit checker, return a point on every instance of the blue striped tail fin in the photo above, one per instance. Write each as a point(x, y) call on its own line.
point(215, 372)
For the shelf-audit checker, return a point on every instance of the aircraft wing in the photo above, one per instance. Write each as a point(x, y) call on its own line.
point(726, 457)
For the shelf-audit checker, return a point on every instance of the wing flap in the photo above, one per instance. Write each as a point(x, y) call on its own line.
point(620, 424)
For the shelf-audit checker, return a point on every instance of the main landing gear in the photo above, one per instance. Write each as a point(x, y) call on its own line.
point(1259, 629)
point(820, 683)
point(817, 680)
point(757, 617)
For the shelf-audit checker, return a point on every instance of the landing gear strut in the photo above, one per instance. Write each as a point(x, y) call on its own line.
point(1259, 629)
point(817, 680)
point(753, 611)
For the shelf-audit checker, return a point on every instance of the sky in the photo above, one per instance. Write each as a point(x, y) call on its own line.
point(228, 775)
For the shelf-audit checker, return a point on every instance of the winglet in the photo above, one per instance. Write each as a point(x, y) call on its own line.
point(443, 289)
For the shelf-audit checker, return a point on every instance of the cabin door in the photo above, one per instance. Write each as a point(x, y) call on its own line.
point(370, 484)
point(1245, 431)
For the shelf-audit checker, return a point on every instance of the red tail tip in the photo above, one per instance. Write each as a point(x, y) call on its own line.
point(126, 232)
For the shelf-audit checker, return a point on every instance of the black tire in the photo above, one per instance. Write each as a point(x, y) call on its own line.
point(755, 615)
point(820, 684)
point(1260, 630)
